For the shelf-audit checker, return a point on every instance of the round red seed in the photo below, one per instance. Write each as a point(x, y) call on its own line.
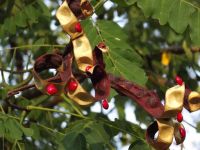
point(88, 68)
point(179, 80)
point(51, 89)
point(179, 117)
point(105, 104)
point(72, 86)
point(182, 132)
point(78, 27)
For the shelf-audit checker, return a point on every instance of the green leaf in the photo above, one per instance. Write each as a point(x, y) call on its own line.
point(120, 66)
point(74, 141)
point(36, 131)
point(32, 14)
point(195, 27)
point(117, 39)
point(138, 144)
point(124, 2)
point(96, 147)
point(20, 19)
point(112, 93)
point(12, 129)
point(121, 59)
point(2, 128)
point(130, 128)
point(1, 31)
point(89, 129)
point(35, 114)
point(178, 13)
point(120, 105)
point(23, 101)
point(142, 116)
point(158, 9)
point(27, 131)
point(3, 93)
point(95, 130)
point(9, 25)
point(198, 127)
point(44, 8)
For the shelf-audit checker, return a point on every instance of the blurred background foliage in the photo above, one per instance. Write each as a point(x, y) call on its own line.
point(150, 43)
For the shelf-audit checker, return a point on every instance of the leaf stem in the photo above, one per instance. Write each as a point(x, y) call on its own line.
point(19, 146)
point(189, 3)
point(25, 82)
point(2, 109)
point(107, 54)
point(21, 121)
point(9, 116)
point(73, 105)
point(101, 2)
point(29, 46)
point(120, 129)
point(12, 63)
point(190, 124)
point(16, 72)
point(54, 110)
point(50, 129)
point(2, 73)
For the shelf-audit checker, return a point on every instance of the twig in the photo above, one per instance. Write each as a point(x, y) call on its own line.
point(50, 129)
point(16, 72)
point(30, 46)
point(12, 62)
point(25, 87)
point(190, 124)
point(54, 110)
point(101, 2)
point(16, 91)
point(73, 105)
point(21, 121)
point(179, 50)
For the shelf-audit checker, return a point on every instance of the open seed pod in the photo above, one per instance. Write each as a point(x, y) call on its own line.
point(44, 62)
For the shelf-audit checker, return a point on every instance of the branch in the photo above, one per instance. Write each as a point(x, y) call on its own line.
point(180, 50)
point(16, 72)
point(31, 46)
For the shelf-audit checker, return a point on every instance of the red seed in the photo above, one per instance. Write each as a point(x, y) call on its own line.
point(179, 117)
point(72, 85)
point(105, 104)
point(88, 68)
point(182, 132)
point(51, 89)
point(78, 27)
point(179, 80)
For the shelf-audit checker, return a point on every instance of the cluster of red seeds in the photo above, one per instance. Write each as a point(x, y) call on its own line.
point(72, 85)
point(179, 116)
point(52, 90)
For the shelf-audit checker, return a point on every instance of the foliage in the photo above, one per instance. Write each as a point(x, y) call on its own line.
point(29, 29)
